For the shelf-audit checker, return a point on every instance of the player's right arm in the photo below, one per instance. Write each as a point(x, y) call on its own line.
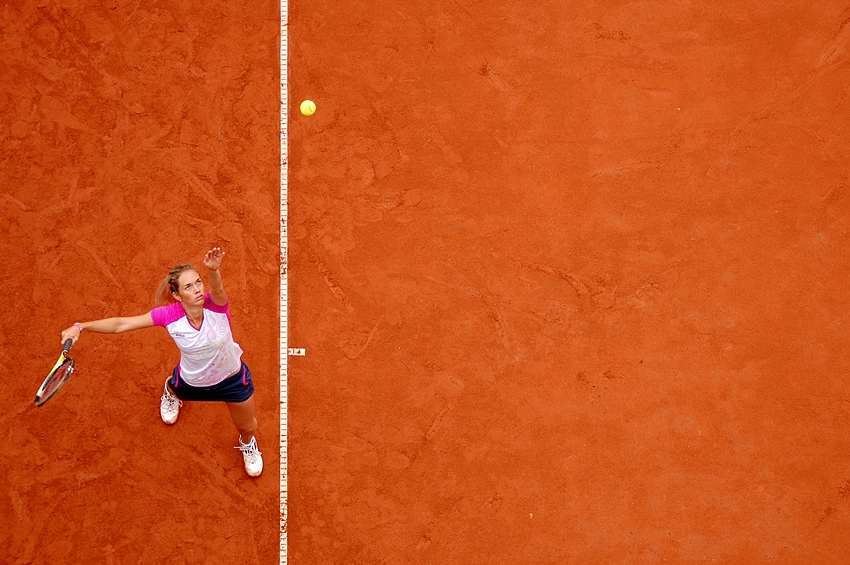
point(109, 326)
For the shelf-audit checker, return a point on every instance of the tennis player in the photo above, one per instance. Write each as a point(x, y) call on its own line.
point(211, 366)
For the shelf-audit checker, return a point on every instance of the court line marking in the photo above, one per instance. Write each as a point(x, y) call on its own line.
point(284, 284)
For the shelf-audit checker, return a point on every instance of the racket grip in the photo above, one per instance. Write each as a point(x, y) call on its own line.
point(67, 347)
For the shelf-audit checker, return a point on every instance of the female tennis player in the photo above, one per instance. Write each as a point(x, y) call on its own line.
point(211, 366)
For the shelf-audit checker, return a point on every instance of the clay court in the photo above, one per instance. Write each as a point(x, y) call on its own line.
point(570, 279)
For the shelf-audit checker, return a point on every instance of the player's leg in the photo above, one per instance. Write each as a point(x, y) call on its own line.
point(242, 414)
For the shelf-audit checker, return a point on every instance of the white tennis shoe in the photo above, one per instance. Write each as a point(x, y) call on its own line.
point(169, 405)
point(252, 457)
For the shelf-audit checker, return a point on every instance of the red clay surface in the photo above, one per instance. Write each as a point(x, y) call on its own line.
point(134, 136)
point(571, 279)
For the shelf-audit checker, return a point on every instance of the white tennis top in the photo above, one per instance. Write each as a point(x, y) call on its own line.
point(207, 355)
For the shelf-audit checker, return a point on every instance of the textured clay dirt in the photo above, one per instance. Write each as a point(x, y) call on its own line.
point(572, 282)
point(134, 136)
point(570, 277)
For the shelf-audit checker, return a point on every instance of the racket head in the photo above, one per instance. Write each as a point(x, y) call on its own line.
point(54, 381)
point(57, 377)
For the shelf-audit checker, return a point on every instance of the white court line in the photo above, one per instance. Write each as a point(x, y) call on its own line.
point(284, 286)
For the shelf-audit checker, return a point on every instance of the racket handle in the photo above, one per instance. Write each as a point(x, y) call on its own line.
point(67, 347)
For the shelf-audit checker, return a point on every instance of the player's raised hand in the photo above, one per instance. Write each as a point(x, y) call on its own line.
point(213, 258)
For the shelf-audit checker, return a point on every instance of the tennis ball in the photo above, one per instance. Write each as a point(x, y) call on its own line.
point(308, 107)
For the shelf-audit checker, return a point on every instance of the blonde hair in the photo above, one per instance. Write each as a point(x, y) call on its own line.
point(170, 284)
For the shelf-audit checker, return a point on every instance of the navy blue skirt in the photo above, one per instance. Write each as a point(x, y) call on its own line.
point(236, 388)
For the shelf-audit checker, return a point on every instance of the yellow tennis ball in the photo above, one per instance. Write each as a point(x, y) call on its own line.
point(308, 107)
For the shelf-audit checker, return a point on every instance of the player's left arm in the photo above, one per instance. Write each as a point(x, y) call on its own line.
point(212, 261)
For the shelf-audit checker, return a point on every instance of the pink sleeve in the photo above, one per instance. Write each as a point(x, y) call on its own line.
point(210, 305)
point(164, 315)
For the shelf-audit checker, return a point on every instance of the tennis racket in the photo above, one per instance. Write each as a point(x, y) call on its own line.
point(58, 375)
